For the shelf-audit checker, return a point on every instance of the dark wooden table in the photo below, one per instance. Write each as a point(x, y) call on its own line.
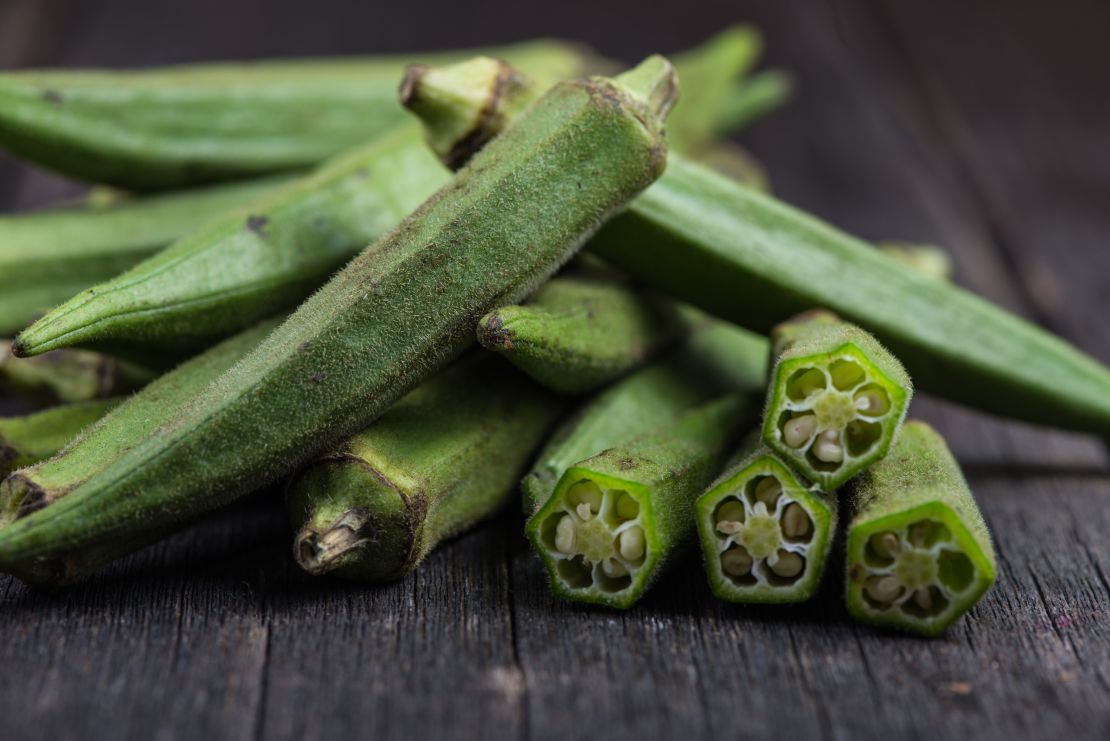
point(980, 126)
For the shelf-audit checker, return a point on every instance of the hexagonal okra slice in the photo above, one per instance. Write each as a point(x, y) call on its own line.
point(836, 398)
point(919, 554)
point(765, 536)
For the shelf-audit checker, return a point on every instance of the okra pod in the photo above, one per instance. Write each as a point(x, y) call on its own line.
point(403, 309)
point(97, 449)
point(48, 256)
point(746, 257)
point(163, 128)
point(69, 376)
point(919, 553)
point(619, 520)
point(443, 458)
point(715, 360)
point(836, 399)
point(39, 435)
point(764, 533)
point(582, 331)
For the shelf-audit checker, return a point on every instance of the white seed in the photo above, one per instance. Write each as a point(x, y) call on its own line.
point(768, 490)
point(795, 521)
point(796, 432)
point(883, 588)
point(631, 544)
point(584, 511)
point(872, 402)
point(736, 562)
point(828, 448)
point(729, 527)
point(566, 535)
point(924, 599)
point(729, 517)
point(585, 492)
point(886, 544)
point(788, 565)
point(918, 533)
point(613, 568)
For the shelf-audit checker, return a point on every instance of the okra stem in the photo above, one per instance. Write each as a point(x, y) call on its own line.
point(445, 457)
point(69, 375)
point(620, 519)
point(919, 553)
point(34, 437)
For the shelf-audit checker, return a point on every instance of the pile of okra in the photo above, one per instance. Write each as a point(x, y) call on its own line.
point(403, 291)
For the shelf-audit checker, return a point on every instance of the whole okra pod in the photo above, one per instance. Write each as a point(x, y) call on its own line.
point(443, 458)
point(163, 128)
point(836, 399)
point(619, 520)
point(764, 533)
point(746, 257)
point(68, 376)
point(37, 436)
point(919, 553)
point(715, 360)
point(403, 309)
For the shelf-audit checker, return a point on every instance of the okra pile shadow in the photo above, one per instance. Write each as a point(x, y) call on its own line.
point(410, 289)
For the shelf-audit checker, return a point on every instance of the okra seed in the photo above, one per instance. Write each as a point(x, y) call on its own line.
point(736, 561)
point(796, 432)
point(729, 527)
point(883, 589)
point(828, 448)
point(918, 533)
point(731, 511)
point(886, 545)
point(627, 507)
point(584, 511)
point(923, 599)
point(795, 521)
point(872, 401)
point(566, 535)
point(631, 543)
point(613, 568)
point(788, 564)
point(768, 491)
point(585, 492)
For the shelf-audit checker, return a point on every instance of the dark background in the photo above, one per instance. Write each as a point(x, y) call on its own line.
point(981, 126)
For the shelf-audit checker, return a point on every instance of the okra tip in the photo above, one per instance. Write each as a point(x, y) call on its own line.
point(653, 83)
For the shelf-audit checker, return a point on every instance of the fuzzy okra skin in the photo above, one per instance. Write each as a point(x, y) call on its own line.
point(619, 520)
point(443, 458)
point(169, 127)
point(68, 376)
point(582, 331)
point(396, 314)
point(715, 360)
point(37, 436)
point(48, 256)
point(765, 535)
point(836, 399)
point(919, 553)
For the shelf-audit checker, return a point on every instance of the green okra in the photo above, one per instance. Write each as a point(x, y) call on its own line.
point(757, 97)
point(746, 257)
point(836, 399)
point(927, 259)
point(400, 311)
point(582, 331)
point(69, 376)
point(443, 458)
point(620, 519)
point(37, 436)
point(48, 256)
point(99, 447)
point(169, 127)
point(765, 535)
point(715, 360)
point(919, 553)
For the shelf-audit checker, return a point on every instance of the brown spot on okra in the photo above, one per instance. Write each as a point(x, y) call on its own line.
point(492, 333)
point(53, 96)
point(257, 224)
point(627, 464)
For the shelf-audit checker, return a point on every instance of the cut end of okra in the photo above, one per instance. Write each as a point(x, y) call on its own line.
point(653, 83)
point(836, 401)
point(595, 537)
point(764, 535)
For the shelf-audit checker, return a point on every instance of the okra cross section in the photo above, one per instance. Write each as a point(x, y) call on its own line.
point(919, 554)
point(764, 534)
point(836, 401)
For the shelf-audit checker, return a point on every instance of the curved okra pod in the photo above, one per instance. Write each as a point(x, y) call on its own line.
point(168, 127)
point(618, 520)
point(836, 399)
point(37, 436)
point(443, 458)
point(748, 258)
point(582, 331)
point(715, 360)
point(764, 533)
point(396, 314)
point(69, 376)
point(919, 553)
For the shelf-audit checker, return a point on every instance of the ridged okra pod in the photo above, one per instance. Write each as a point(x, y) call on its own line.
point(443, 458)
point(619, 520)
point(919, 553)
point(69, 375)
point(37, 436)
point(751, 259)
point(395, 315)
point(96, 450)
point(715, 360)
point(836, 398)
point(582, 330)
point(765, 534)
point(162, 128)
point(48, 256)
